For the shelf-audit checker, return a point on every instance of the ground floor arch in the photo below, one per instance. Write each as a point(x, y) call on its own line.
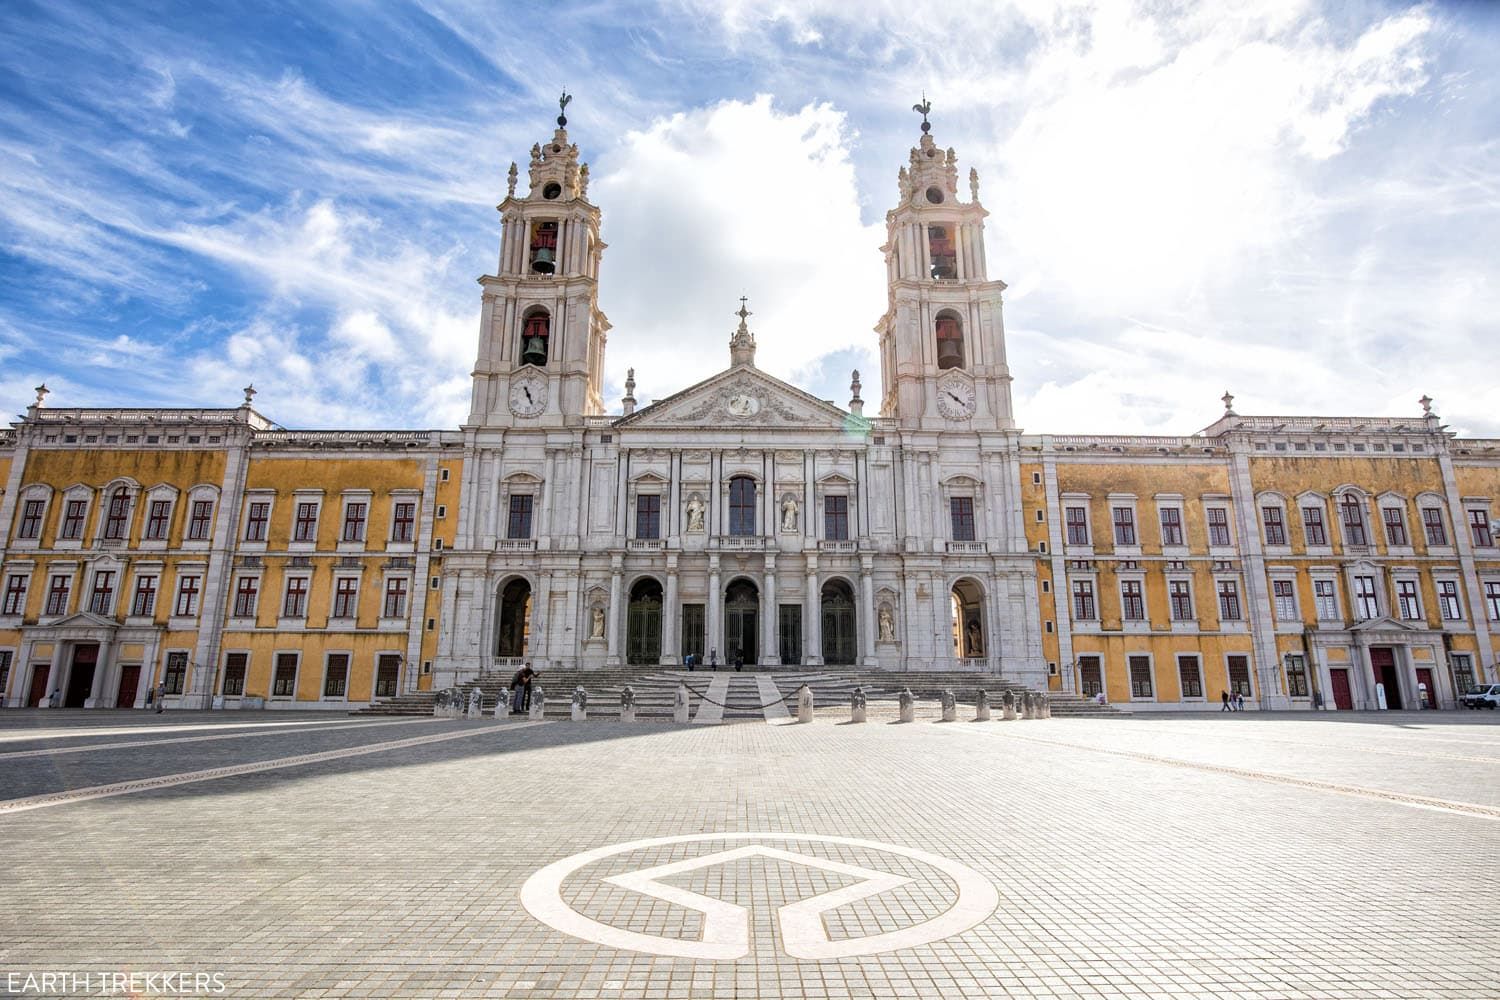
point(839, 621)
point(643, 622)
point(970, 638)
point(741, 619)
point(513, 619)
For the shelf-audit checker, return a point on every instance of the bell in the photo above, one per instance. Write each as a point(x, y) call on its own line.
point(542, 260)
point(535, 351)
point(950, 353)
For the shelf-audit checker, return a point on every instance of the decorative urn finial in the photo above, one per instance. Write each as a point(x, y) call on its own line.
point(41, 394)
point(1426, 402)
point(1228, 404)
point(249, 392)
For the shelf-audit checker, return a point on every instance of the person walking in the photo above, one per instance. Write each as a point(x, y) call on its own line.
point(161, 693)
point(1225, 699)
point(739, 660)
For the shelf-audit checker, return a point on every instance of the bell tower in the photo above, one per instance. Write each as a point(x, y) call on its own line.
point(541, 333)
point(942, 338)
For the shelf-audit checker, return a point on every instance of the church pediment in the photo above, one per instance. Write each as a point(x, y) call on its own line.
point(82, 621)
point(739, 397)
point(1384, 624)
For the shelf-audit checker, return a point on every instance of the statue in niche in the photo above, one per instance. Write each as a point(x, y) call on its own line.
point(596, 623)
point(973, 645)
point(887, 624)
point(695, 513)
point(789, 514)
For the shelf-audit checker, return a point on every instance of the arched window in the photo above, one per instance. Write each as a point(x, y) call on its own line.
point(941, 251)
point(116, 515)
point(536, 331)
point(742, 506)
point(950, 340)
point(544, 247)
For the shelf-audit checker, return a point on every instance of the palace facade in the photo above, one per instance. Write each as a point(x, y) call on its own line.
point(1304, 562)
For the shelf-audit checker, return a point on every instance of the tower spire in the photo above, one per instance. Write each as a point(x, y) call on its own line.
point(742, 342)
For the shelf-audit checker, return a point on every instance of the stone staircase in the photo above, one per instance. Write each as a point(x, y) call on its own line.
point(738, 696)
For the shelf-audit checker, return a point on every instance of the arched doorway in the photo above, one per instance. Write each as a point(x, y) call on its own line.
point(969, 639)
point(840, 646)
point(741, 615)
point(643, 622)
point(513, 623)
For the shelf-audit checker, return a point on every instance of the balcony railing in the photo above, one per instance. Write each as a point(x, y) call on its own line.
point(838, 545)
point(968, 548)
point(516, 545)
point(744, 543)
point(644, 544)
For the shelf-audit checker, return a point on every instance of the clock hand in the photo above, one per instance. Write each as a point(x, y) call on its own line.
point(527, 389)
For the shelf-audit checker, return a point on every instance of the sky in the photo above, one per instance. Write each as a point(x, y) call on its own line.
point(1296, 201)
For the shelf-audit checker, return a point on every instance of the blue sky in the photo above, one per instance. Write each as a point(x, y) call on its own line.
point(1296, 201)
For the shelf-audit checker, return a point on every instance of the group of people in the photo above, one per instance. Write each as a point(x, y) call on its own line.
point(520, 689)
point(1232, 702)
point(691, 660)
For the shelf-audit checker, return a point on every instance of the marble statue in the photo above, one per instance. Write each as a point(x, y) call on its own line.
point(789, 514)
point(694, 513)
point(887, 624)
point(596, 623)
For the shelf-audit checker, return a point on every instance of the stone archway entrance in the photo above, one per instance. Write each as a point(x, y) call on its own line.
point(643, 623)
point(741, 616)
point(513, 623)
point(840, 640)
point(969, 639)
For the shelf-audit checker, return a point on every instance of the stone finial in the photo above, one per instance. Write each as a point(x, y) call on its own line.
point(1228, 399)
point(856, 405)
point(583, 181)
point(1426, 402)
point(627, 404)
point(923, 108)
point(41, 394)
point(742, 342)
point(249, 392)
point(973, 184)
point(510, 180)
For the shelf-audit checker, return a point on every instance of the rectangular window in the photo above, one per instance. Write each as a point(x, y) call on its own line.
point(284, 682)
point(1090, 675)
point(1140, 676)
point(174, 678)
point(345, 596)
point(200, 521)
point(1365, 600)
point(1326, 600)
point(1083, 601)
point(1190, 676)
point(257, 519)
point(836, 518)
point(1132, 601)
point(1462, 665)
point(395, 598)
point(337, 678)
point(1448, 602)
point(186, 605)
point(1296, 675)
point(294, 604)
point(1124, 518)
point(1395, 526)
point(115, 515)
point(244, 596)
point(158, 520)
point(1314, 526)
point(1284, 597)
point(1275, 527)
point(31, 519)
point(648, 515)
point(144, 601)
point(305, 525)
point(519, 525)
point(1229, 601)
point(1218, 526)
point(57, 595)
point(102, 597)
point(387, 670)
point(1181, 593)
point(961, 510)
point(72, 522)
point(1077, 519)
point(1479, 526)
point(1239, 676)
point(1352, 514)
point(354, 521)
point(235, 667)
point(404, 521)
point(1171, 526)
point(1492, 599)
point(1432, 521)
point(1407, 602)
point(15, 594)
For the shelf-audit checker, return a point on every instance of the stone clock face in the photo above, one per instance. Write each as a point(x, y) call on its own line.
point(528, 396)
point(956, 399)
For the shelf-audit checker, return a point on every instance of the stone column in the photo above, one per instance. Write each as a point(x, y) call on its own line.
point(541, 623)
point(671, 654)
point(714, 627)
point(867, 610)
point(770, 655)
point(101, 674)
point(812, 625)
point(616, 582)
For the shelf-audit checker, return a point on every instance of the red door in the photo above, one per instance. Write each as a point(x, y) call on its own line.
point(39, 685)
point(1383, 662)
point(1429, 697)
point(1342, 699)
point(130, 678)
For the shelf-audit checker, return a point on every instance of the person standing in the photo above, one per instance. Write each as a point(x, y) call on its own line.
point(713, 659)
point(161, 697)
point(1225, 699)
point(520, 689)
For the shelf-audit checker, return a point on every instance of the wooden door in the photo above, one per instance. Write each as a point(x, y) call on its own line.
point(1339, 679)
point(39, 678)
point(1383, 662)
point(130, 678)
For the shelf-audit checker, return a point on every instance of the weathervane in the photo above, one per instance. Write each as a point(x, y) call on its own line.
point(562, 109)
point(922, 109)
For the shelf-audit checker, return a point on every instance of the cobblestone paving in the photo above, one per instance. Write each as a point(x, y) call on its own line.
point(1136, 857)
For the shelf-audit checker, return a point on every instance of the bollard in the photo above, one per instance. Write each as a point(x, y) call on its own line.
point(680, 705)
point(981, 706)
point(950, 705)
point(1046, 706)
point(857, 705)
point(804, 704)
point(908, 706)
point(1028, 706)
point(476, 705)
point(438, 705)
point(627, 704)
point(580, 704)
point(1008, 712)
point(538, 704)
point(502, 706)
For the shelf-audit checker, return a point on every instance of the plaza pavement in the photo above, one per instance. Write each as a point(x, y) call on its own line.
point(1249, 855)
